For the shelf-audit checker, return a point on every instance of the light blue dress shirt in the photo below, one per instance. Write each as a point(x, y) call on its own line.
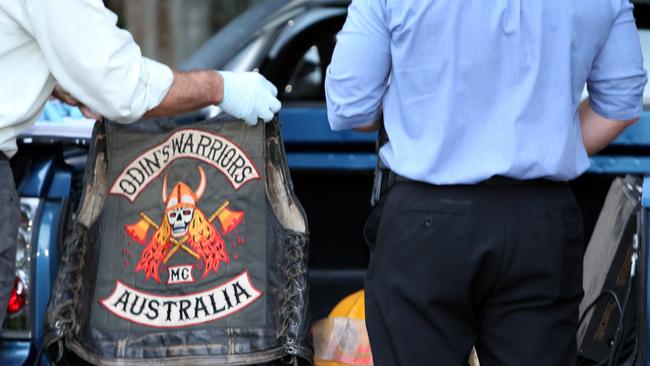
point(472, 89)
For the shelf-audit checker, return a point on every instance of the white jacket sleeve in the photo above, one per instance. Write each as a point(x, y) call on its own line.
point(95, 61)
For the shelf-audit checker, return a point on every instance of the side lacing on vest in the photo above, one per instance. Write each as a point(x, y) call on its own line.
point(295, 268)
point(68, 286)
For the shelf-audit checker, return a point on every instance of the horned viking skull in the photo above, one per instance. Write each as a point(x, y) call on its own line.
point(181, 203)
point(189, 225)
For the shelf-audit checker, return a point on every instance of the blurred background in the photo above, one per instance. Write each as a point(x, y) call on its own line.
point(170, 30)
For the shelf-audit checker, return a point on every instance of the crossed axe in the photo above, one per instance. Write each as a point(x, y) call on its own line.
point(228, 218)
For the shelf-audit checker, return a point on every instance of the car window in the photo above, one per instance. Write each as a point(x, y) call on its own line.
point(307, 81)
point(299, 67)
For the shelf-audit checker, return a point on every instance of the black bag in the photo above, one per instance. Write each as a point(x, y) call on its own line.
point(613, 310)
point(189, 247)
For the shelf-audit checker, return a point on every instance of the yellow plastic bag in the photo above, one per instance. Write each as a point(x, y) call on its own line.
point(341, 339)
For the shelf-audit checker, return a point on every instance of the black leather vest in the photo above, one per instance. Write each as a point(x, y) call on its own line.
point(189, 247)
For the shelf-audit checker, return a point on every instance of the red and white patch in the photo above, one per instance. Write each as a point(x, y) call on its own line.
point(158, 311)
point(216, 150)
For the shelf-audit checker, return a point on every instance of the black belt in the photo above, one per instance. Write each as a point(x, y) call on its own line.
point(386, 178)
point(497, 180)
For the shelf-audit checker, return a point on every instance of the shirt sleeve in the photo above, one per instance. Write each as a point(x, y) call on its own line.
point(358, 75)
point(95, 61)
point(617, 77)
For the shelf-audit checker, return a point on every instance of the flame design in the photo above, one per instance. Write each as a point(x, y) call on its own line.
point(155, 251)
point(206, 241)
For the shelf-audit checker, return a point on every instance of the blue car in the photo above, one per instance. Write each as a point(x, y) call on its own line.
point(48, 173)
point(291, 43)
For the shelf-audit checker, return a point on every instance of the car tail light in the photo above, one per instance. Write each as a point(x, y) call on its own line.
point(18, 297)
point(17, 323)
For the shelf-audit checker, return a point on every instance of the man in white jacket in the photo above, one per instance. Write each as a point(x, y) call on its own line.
point(76, 45)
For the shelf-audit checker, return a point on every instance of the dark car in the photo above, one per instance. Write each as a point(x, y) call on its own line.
point(291, 43)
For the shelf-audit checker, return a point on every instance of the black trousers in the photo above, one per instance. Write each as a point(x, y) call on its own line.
point(498, 267)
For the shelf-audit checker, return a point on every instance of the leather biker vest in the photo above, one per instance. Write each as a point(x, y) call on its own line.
point(189, 247)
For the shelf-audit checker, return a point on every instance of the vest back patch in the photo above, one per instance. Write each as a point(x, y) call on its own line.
point(178, 243)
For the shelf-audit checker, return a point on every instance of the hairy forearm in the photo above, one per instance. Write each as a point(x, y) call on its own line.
point(190, 91)
point(371, 127)
point(598, 131)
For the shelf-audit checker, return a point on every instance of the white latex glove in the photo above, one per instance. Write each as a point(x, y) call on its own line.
point(249, 96)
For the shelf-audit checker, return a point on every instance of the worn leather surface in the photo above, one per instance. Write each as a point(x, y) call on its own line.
point(191, 248)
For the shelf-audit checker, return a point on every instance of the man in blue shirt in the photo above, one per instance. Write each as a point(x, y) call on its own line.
point(480, 239)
